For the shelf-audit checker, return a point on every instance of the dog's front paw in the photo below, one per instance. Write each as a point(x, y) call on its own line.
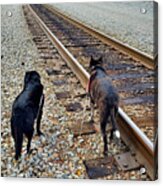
point(91, 121)
point(29, 151)
point(39, 133)
point(16, 157)
point(105, 153)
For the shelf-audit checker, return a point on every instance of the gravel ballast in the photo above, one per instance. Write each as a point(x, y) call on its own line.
point(128, 22)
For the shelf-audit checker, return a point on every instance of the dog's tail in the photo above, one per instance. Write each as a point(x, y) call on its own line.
point(17, 133)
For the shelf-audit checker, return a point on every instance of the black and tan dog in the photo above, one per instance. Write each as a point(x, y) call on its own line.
point(105, 96)
point(26, 108)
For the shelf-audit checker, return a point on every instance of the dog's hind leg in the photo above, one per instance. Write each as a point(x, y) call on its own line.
point(103, 122)
point(29, 136)
point(39, 115)
point(18, 143)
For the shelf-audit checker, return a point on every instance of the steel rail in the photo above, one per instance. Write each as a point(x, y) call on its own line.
point(145, 59)
point(131, 134)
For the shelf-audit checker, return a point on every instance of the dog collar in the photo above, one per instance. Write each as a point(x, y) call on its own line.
point(90, 81)
point(88, 86)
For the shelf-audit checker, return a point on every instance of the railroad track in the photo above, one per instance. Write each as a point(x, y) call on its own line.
point(145, 59)
point(75, 45)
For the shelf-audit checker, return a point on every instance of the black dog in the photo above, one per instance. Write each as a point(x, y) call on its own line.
point(26, 108)
point(105, 96)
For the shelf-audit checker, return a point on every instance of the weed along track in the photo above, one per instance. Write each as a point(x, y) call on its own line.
point(78, 145)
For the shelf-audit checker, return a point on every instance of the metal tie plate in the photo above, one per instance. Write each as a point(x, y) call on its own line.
point(127, 161)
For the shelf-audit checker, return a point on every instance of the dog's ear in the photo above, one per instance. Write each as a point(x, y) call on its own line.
point(100, 60)
point(27, 77)
point(92, 61)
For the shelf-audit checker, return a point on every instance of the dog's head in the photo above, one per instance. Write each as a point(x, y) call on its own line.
point(31, 76)
point(95, 62)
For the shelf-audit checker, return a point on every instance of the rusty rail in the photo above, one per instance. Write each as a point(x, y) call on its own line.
point(145, 59)
point(131, 134)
